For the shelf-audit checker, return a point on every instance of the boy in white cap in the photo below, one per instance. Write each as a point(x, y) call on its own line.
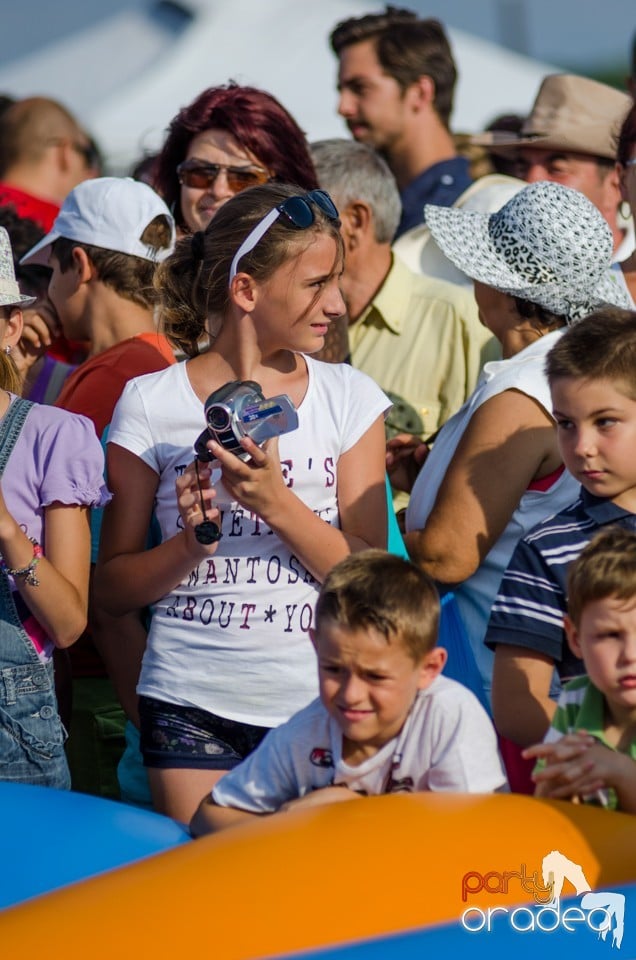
point(103, 249)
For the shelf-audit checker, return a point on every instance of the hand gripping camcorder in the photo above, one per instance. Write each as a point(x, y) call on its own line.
point(239, 409)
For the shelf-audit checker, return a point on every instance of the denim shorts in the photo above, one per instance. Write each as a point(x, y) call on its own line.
point(190, 738)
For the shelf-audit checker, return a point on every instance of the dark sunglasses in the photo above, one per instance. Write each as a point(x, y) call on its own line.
point(201, 176)
point(297, 210)
point(86, 150)
point(89, 152)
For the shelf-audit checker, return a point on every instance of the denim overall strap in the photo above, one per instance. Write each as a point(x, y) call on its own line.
point(31, 733)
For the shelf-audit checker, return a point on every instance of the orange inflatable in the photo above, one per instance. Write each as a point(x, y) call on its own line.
point(320, 877)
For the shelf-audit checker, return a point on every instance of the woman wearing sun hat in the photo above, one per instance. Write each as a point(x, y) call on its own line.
point(539, 263)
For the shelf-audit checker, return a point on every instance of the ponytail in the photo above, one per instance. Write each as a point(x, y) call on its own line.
point(10, 378)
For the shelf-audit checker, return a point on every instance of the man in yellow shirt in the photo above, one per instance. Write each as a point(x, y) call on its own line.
point(418, 337)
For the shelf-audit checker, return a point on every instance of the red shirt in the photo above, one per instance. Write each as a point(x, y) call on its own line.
point(42, 211)
point(93, 390)
point(95, 387)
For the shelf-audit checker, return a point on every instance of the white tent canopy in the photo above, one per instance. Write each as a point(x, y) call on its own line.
point(127, 74)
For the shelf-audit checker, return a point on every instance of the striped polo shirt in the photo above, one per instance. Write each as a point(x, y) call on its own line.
point(529, 608)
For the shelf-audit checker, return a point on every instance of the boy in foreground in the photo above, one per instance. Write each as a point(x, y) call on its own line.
point(386, 721)
point(589, 752)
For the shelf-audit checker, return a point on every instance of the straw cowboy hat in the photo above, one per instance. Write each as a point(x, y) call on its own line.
point(569, 113)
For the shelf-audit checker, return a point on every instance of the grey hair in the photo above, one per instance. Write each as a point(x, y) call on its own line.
point(352, 171)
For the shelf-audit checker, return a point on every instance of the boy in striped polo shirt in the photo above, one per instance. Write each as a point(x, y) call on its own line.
point(589, 752)
point(592, 375)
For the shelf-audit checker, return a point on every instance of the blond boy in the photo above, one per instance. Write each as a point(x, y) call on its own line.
point(386, 721)
point(589, 752)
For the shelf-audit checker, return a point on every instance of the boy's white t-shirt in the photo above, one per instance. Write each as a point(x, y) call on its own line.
point(446, 744)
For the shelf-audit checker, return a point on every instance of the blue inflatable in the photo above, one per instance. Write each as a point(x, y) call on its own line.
point(395, 877)
point(501, 942)
point(54, 837)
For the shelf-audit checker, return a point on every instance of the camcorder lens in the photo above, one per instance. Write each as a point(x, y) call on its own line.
point(218, 418)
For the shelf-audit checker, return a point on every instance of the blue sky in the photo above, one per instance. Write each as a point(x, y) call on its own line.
point(574, 33)
point(587, 34)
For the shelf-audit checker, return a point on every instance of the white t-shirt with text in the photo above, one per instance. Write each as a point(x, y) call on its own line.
point(232, 638)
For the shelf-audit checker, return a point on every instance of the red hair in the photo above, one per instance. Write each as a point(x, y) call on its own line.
point(255, 119)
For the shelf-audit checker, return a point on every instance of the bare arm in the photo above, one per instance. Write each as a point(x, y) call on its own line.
point(260, 486)
point(121, 642)
point(60, 600)
point(521, 703)
point(336, 793)
point(509, 442)
point(128, 577)
point(210, 817)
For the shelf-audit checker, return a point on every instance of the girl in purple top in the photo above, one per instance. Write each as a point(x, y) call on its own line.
point(51, 473)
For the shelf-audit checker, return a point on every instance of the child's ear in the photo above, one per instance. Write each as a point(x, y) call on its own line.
point(572, 634)
point(83, 265)
point(312, 637)
point(431, 666)
point(13, 327)
point(244, 292)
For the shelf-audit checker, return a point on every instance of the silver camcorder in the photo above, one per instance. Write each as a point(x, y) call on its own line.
point(239, 409)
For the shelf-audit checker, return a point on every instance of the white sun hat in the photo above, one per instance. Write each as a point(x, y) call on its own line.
point(10, 295)
point(549, 244)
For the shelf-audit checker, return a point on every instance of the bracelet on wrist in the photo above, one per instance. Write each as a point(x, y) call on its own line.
point(27, 572)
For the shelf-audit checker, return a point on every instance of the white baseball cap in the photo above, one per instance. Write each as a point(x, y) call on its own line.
point(108, 212)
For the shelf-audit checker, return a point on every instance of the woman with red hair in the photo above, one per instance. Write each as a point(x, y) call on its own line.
point(229, 138)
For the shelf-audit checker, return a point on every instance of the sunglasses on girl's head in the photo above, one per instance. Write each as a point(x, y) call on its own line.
point(196, 173)
point(297, 210)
